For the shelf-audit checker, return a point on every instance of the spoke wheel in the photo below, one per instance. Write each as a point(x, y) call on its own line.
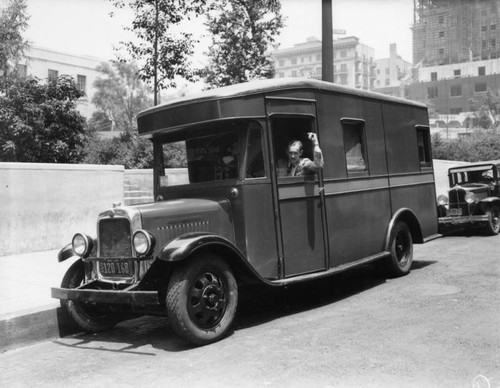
point(493, 224)
point(202, 298)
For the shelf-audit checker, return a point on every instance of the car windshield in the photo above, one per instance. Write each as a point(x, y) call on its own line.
point(483, 175)
point(212, 153)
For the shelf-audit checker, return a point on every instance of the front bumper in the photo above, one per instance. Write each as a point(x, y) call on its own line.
point(459, 220)
point(125, 297)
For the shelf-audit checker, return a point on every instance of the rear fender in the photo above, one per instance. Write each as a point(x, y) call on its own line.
point(409, 218)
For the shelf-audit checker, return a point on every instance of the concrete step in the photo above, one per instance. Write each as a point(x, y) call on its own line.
point(131, 187)
point(137, 193)
point(138, 200)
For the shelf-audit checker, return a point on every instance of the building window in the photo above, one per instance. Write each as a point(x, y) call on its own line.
point(493, 27)
point(81, 81)
point(441, 51)
point(441, 34)
point(22, 71)
point(281, 75)
point(484, 28)
point(301, 59)
point(343, 54)
point(53, 74)
point(456, 90)
point(387, 82)
point(434, 76)
point(493, 43)
point(424, 146)
point(441, 20)
point(480, 87)
point(318, 57)
point(432, 92)
point(343, 67)
point(343, 79)
point(481, 70)
point(455, 111)
point(318, 71)
point(456, 73)
point(294, 73)
point(281, 63)
point(484, 44)
point(387, 70)
point(354, 145)
point(294, 61)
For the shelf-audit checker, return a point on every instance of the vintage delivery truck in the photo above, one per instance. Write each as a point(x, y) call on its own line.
point(238, 221)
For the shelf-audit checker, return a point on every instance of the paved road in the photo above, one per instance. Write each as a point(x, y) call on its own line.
point(436, 327)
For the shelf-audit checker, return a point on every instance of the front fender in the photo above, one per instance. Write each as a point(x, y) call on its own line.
point(187, 244)
point(65, 253)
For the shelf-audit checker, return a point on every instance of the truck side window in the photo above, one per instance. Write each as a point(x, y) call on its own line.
point(354, 145)
point(424, 145)
point(255, 158)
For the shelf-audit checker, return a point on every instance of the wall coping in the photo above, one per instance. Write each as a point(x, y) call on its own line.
point(60, 166)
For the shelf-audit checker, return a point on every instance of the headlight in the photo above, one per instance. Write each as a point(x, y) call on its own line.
point(470, 197)
point(442, 200)
point(144, 242)
point(82, 244)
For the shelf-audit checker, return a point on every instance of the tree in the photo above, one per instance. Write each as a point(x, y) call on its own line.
point(486, 110)
point(163, 51)
point(13, 22)
point(120, 95)
point(40, 123)
point(242, 33)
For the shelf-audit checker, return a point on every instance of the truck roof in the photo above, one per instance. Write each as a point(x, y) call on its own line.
point(271, 85)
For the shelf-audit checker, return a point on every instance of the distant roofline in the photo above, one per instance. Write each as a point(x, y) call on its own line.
point(41, 48)
point(270, 85)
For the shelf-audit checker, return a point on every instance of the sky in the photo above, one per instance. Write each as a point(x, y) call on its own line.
point(84, 27)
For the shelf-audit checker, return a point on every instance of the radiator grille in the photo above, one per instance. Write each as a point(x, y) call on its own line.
point(114, 238)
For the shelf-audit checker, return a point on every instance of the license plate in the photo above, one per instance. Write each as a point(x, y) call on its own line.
point(117, 268)
point(454, 212)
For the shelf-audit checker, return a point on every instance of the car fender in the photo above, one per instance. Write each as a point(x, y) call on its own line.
point(65, 253)
point(408, 216)
point(189, 244)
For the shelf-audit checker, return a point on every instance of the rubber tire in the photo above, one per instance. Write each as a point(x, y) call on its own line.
point(87, 316)
point(493, 225)
point(401, 248)
point(185, 284)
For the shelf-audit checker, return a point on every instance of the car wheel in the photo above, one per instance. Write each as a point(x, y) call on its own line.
point(493, 223)
point(202, 297)
point(90, 317)
point(401, 252)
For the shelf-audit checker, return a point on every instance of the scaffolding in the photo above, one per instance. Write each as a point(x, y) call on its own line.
point(454, 31)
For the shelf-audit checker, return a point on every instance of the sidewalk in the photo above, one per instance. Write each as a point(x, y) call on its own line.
point(27, 312)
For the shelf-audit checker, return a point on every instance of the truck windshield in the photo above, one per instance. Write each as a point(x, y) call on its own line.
point(211, 153)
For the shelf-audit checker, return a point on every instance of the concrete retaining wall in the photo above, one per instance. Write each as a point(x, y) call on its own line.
point(43, 205)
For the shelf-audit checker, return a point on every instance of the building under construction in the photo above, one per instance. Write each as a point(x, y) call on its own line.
point(454, 31)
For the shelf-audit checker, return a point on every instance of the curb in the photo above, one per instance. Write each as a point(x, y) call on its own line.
point(28, 329)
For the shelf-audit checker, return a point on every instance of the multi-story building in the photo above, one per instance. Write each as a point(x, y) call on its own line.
point(392, 74)
point(47, 64)
point(453, 31)
point(456, 50)
point(353, 62)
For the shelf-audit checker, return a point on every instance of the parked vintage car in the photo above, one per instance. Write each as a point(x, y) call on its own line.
point(239, 221)
point(473, 198)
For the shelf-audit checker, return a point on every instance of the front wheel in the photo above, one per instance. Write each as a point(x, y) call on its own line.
point(493, 223)
point(202, 297)
point(90, 317)
point(401, 251)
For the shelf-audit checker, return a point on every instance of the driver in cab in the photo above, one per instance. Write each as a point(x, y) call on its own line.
point(296, 165)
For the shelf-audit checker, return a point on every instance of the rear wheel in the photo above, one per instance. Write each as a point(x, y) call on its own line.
point(401, 249)
point(90, 317)
point(202, 298)
point(493, 223)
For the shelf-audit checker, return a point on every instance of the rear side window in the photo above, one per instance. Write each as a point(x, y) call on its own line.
point(424, 146)
point(354, 146)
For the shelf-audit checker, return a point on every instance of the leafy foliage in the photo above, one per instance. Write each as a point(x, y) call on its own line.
point(40, 123)
point(119, 96)
point(13, 22)
point(162, 48)
point(481, 145)
point(242, 33)
point(486, 110)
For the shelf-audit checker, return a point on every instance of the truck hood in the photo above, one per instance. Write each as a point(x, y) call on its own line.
point(170, 219)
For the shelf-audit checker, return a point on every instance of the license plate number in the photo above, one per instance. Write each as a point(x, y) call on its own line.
point(454, 212)
point(116, 268)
